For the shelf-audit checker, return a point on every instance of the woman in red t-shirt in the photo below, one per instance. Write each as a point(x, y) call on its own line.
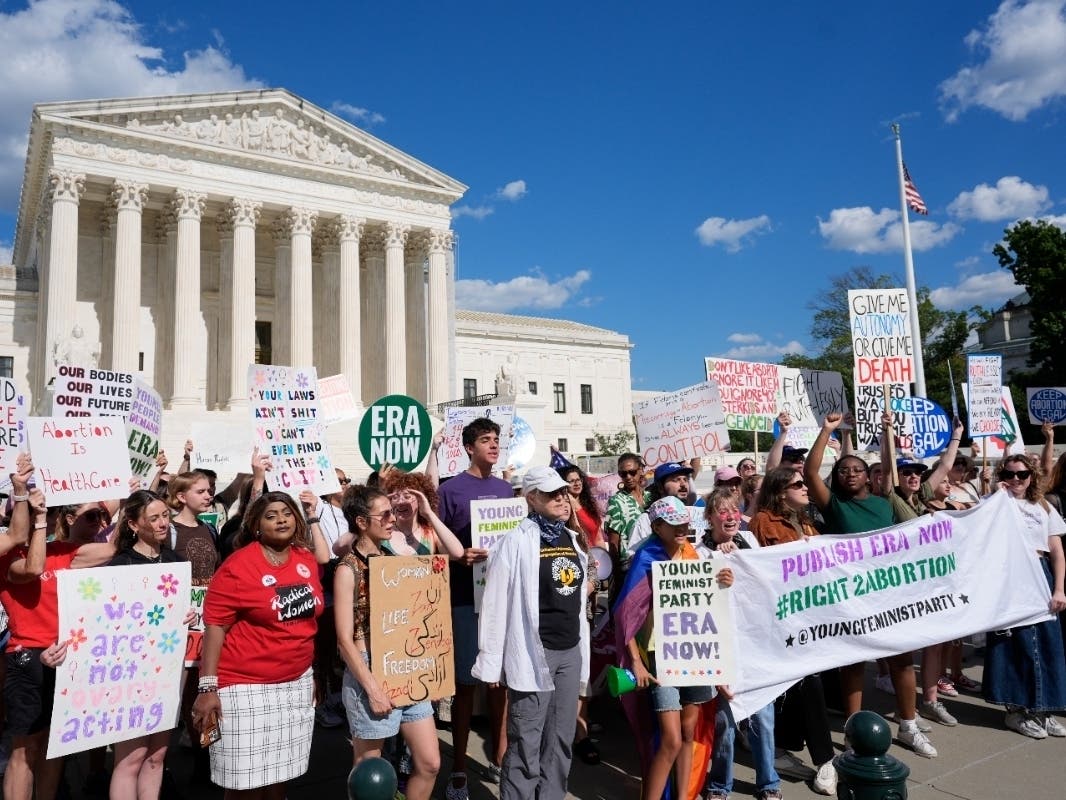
point(255, 686)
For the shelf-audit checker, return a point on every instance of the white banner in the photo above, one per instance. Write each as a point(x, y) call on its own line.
point(451, 457)
point(79, 459)
point(840, 600)
point(125, 634)
point(676, 426)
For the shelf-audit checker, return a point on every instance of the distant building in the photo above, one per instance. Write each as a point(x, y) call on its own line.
point(1008, 333)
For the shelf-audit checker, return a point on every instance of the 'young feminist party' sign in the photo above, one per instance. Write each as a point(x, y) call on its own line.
point(125, 634)
point(676, 426)
point(693, 624)
point(490, 520)
point(881, 336)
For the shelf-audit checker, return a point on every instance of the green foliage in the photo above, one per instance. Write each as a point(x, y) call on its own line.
point(612, 444)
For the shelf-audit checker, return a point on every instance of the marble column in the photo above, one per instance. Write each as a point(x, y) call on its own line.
point(415, 297)
point(41, 356)
point(105, 305)
point(374, 318)
point(327, 305)
point(61, 301)
point(440, 242)
point(237, 297)
point(188, 208)
point(128, 198)
point(395, 311)
point(280, 336)
point(300, 307)
point(349, 328)
point(167, 233)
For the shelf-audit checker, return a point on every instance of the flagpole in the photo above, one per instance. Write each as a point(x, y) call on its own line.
point(908, 262)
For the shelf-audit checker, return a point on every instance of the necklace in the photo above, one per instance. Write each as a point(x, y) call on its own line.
point(277, 559)
point(151, 556)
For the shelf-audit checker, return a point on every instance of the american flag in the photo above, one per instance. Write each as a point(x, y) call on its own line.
point(914, 200)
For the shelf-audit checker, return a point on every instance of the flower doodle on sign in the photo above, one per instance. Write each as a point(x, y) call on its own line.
point(323, 463)
point(77, 639)
point(439, 563)
point(302, 380)
point(89, 589)
point(168, 585)
point(155, 616)
point(168, 642)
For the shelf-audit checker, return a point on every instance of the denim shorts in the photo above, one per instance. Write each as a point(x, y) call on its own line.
point(464, 642)
point(365, 724)
point(671, 698)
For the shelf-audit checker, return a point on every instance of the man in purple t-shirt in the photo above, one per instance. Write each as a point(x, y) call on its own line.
point(481, 438)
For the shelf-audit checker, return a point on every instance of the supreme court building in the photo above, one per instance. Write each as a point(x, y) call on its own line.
point(185, 237)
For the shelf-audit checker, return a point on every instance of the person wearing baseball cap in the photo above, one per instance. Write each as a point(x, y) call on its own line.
point(534, 635)
point(671, 480)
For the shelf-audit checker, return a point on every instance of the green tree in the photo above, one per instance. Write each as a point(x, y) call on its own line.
point(612, 444)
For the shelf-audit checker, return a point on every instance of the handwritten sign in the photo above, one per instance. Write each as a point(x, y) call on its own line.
point(411, 649)
point(336, 400)
point(490, 521)
point(1047, 405)
point(12, 425)
point(143, 426)
point(808, 395)
point(749, 392)
point(225, 447)
point(194, 642)
point(870, 405)
point(395, 430)
point(675, 426)
point(1009, 440)
point(881, 336)
point(451, 457)
point(693, 624)
point(122, 675)
point(984, 379)
point(89, 392)
point(79, 459)
point(287, 426)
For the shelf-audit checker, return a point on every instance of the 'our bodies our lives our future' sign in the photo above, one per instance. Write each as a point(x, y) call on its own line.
point(452, 457)
point(881, 336)
point(490, 521)
point(90, 392)
point(287, 427)
point(395, 430)
point(81, 459)
point(125, 634)
point(749, 392)
point(675, 426)
point(1047, 405)
point(12, 425)
point(836, 600)
point(411, 650)
point(984, 379)
point(694, 637)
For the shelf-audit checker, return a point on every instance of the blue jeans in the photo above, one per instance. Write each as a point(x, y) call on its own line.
point(761, 738)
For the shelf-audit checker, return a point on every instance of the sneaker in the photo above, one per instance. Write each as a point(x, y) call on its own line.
point(883, 683)
point(945, 687)
point(714, 795)
point(1053, 726)
point(966, 684)
point(787, 764)
point(494, 773)
point(326, 717)
point(923, 726)
point(918, 742)
point(936, 712)
point(769, 794)
point(825, 782)
point(453, 792)
point(1026, 725)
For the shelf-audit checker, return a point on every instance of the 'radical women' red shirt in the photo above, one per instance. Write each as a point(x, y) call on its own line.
point(33, 606)
point(271, 611)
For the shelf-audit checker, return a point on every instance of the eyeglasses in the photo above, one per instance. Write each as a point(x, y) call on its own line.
point(563, 492)
point(628, 473)
point(850, 471)
point(384, 515)
point(1021, 474)
point(575, 479)
point(796, 485)
point(344, 481)
point(911, 473)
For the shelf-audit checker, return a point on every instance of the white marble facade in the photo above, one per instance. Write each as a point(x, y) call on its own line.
point(184, 235)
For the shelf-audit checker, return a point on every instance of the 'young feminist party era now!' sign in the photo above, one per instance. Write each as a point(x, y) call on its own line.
point(881, 336)
point(490, 521)
point(677, 426)
point(836, 600)
point(125, 634)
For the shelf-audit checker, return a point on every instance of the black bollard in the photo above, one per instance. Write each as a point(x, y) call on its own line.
point(372, 779)
point(865, 770)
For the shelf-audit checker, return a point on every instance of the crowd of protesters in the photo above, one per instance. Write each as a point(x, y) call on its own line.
point(530, 649)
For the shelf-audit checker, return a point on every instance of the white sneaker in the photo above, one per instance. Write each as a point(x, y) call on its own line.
point(1026, 725)
point(883, 683)
point(825, 782)
point(918, 742)
point(936, 712)
point(787, 764)
point(1053, 726)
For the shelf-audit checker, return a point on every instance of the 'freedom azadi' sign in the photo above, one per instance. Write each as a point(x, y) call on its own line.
point(840, 600)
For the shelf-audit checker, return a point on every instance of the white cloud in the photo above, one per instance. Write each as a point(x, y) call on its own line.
point(1056, 219)
point(363, 116)
point(986, 288)
point(752, 347)
point(525, 291)
point(744, 338)
point(862, 230)
point(731, 233)
point(5, 253)
point(477, 212)
point(1024, 68)
point(1011, 198)
point(81, 49)
point(515, 190)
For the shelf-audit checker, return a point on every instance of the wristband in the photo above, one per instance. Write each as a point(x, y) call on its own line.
point(313, 520)
point(20, 498)
point(207, 681)
point(40, 525)
point(206, 689)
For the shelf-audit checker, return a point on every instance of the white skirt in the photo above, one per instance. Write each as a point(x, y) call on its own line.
point(266, 733)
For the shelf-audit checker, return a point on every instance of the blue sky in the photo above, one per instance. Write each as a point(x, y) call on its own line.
point(689, 174)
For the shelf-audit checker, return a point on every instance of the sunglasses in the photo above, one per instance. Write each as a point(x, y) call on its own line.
point(628, 473)
point(384, 515)
point(796, 485)
point(911, 472)
point(1021, 474)
point(344, 481)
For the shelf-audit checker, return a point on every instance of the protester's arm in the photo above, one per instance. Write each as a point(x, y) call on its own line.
point(18, 531)
point(947, 458)
point(432, 467)
point(1058, 571)
point(93, 555)
point(229, 495)
point(644, 678)
point(186, 460)
point(445, 538)
point(260, 465)
point(31, 567)
point(207, 708)
point(344, 620)
point(887, 465)
point(343, 545)
point(1047, 455)
point(816, 488)
point(696, 465)
point(160, 470)
point(847, 441)
point(773, 457)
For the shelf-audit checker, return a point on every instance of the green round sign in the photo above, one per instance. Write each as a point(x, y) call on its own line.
point(395, 430)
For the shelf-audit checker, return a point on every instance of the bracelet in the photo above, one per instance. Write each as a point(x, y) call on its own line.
point(207, 681)
point(206, 689)
point(38, 526)
point(19, 498)
point(313, 520)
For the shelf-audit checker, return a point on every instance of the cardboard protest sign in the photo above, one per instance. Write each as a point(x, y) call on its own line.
point(143, 426)
point(287, 427)
point(675, 426)
point(930, 424)
point(694, 637)
point(808, 395)
point(749, 392)
point(451, 457)
point(395, 430)
point(225, 447)
point(12, 425)
point(411, 628)
point(336, 400)
point(490, 521)
point(1010, 439)
point(870, 405)
point(90, 392)
point(984, 379)
point(79, 459)
point(881, 336)
point(126, 641)
point(194, 642)
point(1047, 405)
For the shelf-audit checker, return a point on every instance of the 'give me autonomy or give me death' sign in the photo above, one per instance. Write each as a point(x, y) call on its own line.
point(881, 336)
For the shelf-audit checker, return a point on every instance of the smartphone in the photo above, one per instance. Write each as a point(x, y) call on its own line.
point(210, 735)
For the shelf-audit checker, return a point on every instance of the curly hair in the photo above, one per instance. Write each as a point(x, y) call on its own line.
point(585, 498)
point(1057, 481)
point(717, 498)
point(1034, 492)
point(397, 481)
point(250, 525)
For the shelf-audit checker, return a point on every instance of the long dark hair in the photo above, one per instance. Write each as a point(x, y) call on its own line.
point(250, 524)
point(772, 493)
point(585, 498)
point(132, 510)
